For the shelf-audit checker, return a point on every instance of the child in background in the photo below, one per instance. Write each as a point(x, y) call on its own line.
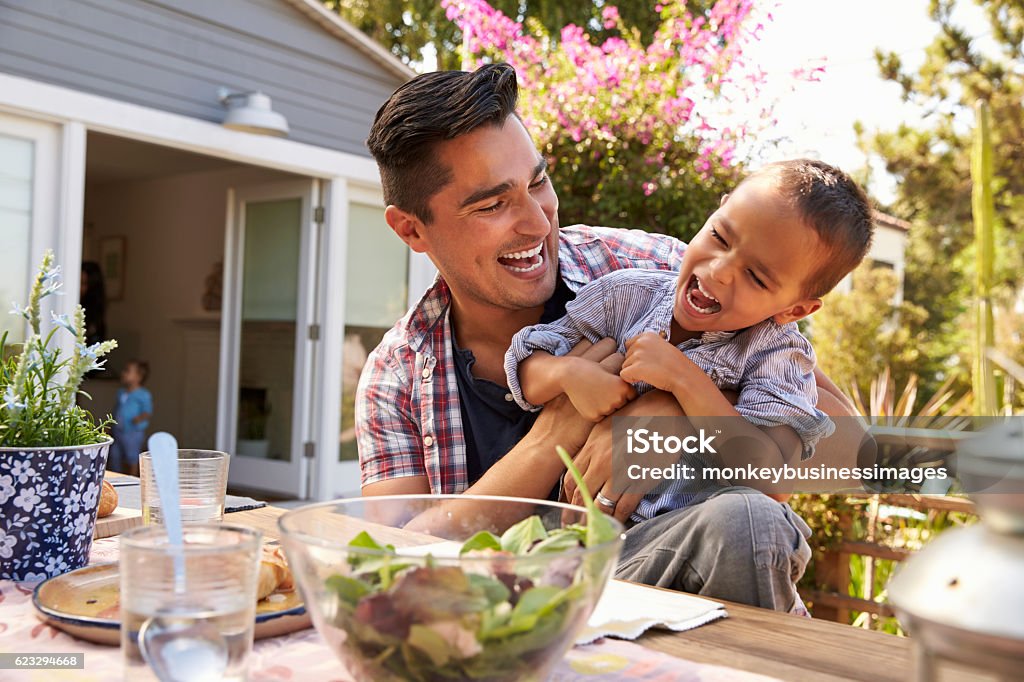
point(132, 414)
point(783, 239)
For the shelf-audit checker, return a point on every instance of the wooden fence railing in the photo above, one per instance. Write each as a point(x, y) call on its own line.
point(831, 598)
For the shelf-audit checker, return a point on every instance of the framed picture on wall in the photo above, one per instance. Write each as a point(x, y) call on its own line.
point(112, 264)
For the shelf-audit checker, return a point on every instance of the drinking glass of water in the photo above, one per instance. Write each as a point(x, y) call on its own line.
point(202, 483)
point(188, 610)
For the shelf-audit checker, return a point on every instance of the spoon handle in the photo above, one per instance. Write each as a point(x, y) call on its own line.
point(163, 450)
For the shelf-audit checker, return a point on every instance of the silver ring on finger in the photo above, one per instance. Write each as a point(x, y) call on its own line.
point(605, 502)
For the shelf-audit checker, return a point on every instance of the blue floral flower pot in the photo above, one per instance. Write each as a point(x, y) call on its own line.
point(48, 503)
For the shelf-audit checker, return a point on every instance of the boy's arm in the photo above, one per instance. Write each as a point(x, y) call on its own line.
point(594, 391)
point(530, 469)
point(584, 319)
point(146, 408)
point(651, 358)
point(849, 446)
point(542, 375)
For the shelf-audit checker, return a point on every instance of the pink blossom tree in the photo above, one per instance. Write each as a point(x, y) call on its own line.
point(637, 134)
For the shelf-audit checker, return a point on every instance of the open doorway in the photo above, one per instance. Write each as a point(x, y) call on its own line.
point(154, 223)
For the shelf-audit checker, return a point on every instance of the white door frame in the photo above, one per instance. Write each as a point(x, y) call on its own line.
point(332, 475)
point(291, 476)
point(55, 148)
point(333, 265)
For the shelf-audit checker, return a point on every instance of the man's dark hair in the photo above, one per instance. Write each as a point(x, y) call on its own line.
point(429, 109)
point(835, 207)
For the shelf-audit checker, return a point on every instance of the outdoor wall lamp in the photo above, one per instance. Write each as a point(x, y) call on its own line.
point(251, 112)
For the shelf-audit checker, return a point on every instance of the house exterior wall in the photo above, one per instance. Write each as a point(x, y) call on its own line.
point(173, 55)
point(888, 248)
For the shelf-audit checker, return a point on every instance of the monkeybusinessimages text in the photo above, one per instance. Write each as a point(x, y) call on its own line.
point(646, 441)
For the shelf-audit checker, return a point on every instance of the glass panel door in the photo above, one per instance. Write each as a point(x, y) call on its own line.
point(266, 367)
point(376, 295)
point(273, 252)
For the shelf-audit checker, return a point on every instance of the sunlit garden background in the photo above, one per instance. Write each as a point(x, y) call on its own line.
point(648, 113)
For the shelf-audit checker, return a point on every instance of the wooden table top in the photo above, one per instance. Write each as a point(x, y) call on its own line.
point(757, 640)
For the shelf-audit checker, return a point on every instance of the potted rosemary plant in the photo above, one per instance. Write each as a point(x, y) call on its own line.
point(52, 451)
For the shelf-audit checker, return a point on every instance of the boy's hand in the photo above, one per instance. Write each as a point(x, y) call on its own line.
point(596, 392)
point(651, 358)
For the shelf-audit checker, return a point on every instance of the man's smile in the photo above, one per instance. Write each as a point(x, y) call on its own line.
point(522, 262)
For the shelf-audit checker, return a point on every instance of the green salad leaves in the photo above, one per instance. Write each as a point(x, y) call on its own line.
point(497, 617)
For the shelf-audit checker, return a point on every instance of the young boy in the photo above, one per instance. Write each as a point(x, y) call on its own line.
point(784, 238)
point(132, 414)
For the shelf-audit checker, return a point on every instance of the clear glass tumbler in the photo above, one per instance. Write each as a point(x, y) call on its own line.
point(202, 484)
point(192, 607)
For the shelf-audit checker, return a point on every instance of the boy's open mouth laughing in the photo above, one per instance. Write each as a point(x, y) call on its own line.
point(523, 262)
point(699, 300)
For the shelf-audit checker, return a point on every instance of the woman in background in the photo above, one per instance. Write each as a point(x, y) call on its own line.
point(93, 298)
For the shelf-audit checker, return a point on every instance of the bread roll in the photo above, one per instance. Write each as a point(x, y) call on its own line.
point(274, 574)
point(108, 500)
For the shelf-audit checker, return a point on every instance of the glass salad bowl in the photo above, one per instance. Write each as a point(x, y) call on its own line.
point(445, 587)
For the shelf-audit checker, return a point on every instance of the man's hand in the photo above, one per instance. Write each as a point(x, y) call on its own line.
point(594, 460)
point(595, 391)
point(651, 358)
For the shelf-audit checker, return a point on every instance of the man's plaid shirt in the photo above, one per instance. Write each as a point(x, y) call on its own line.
point(408, 421)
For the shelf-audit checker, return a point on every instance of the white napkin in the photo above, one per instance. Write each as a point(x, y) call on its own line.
point(446, 549)
point(626, 610)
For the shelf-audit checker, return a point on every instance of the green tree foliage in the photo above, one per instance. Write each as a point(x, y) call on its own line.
point(856, 335)
point(931, 162)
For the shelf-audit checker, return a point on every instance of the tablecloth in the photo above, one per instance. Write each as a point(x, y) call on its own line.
point(303, 656)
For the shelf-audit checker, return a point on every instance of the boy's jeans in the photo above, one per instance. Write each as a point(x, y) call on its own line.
point(738, 544)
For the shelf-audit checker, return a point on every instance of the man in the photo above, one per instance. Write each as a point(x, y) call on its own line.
point(465, 185)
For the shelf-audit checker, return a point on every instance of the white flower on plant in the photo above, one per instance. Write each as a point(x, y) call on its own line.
point(27, 498)
point(46, 383)
point(11, 401)
point(62, 320)
point(51, 275)
point(51, 282)
point(35, 361)
point(6, 488)
point(88, 352)
point(22, 470)
point(18, 310)
point(7, 543)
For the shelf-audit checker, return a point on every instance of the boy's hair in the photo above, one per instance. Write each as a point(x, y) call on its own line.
point(142, 366)
point(835, 207)
point(429, 109)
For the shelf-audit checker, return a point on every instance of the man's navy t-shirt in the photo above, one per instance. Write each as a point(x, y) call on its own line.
point(492, 421)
